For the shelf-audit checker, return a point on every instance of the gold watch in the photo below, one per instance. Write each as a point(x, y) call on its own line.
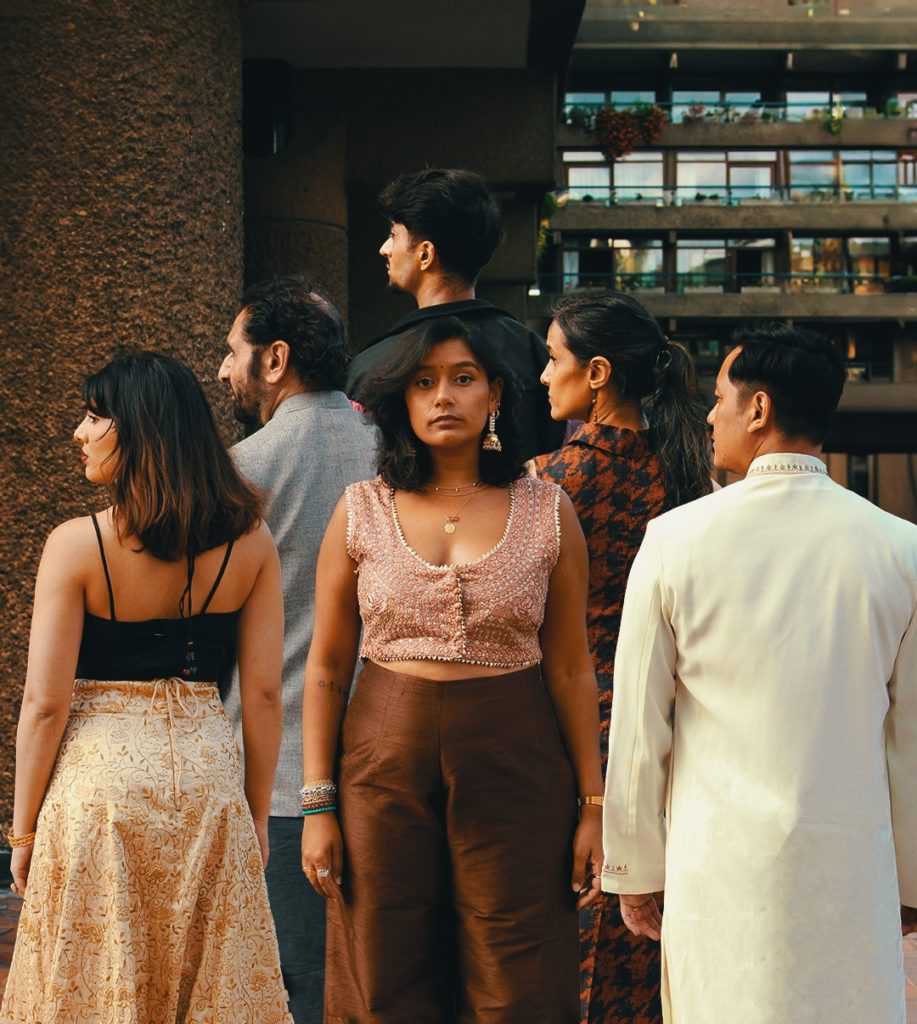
point(584, 801)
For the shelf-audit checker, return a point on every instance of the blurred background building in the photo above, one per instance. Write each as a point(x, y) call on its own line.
point(763, 165)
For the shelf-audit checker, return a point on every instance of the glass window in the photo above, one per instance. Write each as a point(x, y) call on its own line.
point(752, 261)
point(868, 174)
point(700, 265)
point(701, 176)
point(638, 176)
point(813, 173)
point(753, 156)
point(573, 99)
point(803, 105)
point(583, 156)
point(870, 264)
point(638, 265)
point(907, 101)
point(817, 265)
point(632, 98)
point(693, 102)
point(589, 183)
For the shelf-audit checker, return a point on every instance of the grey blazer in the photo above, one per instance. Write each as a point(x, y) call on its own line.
point(313, 447)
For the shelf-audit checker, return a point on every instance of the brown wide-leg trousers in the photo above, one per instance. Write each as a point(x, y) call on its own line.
point(457, 804)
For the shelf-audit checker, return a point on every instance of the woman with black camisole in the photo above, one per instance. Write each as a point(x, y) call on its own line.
point(139, 854)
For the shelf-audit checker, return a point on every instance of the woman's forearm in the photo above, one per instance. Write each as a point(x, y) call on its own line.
point(575, 699)
point(326, 688)
point(38, 738)
point(262, 725)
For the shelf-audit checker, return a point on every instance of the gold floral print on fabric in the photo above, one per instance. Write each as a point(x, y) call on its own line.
point(146, 899)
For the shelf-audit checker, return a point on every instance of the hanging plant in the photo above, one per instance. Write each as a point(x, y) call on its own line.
point(651, 121)
point(617, 132)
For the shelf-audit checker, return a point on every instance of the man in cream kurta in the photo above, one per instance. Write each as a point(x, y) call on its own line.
point(763, 751)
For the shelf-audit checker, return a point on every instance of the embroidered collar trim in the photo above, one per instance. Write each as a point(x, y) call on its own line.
point(786, 462)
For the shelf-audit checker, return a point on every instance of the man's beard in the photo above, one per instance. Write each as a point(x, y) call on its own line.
point(247, 416)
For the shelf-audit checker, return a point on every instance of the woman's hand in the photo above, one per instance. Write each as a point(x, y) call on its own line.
point(587, 855)
point(323, 853)
point(19, 865)
point(261, 833)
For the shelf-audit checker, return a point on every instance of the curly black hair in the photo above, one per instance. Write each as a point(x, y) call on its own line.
point(404, 461)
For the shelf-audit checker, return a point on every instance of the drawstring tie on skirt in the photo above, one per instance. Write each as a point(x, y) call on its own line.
point(170, 692)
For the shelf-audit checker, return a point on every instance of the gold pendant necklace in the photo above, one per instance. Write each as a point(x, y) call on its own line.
point(450, 524)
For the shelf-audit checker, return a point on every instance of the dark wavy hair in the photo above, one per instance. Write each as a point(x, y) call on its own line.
point(646, 366)
point(174, 485)
point(403, 460)
point(801, 370)
point(451, 208)
point(297, 311)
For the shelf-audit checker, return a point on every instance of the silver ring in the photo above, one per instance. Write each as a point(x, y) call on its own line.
point(323, 872)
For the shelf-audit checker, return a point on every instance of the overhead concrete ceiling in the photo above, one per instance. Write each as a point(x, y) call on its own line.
point(402, 34)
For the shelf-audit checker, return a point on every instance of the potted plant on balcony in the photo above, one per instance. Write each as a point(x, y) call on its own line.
point(693, 114)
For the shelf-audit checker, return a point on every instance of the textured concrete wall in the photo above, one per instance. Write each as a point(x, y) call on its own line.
point(121, 222)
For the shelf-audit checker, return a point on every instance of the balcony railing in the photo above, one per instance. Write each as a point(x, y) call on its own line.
point(737, 195)
point(713, 281)
point(746, 112)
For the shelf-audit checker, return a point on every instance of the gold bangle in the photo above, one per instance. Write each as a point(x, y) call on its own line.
point(585, 801)
point(24, 840)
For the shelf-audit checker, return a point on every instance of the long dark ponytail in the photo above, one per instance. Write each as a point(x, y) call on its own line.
point(646, 366)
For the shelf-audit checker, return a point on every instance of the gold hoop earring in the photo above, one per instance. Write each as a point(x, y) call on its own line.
point(491, 442)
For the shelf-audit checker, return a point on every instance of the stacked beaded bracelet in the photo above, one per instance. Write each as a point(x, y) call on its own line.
point(23, 840)
point(319, 796)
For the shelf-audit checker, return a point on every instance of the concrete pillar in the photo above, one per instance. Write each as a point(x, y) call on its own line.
point(296, 206)
point(121, 223)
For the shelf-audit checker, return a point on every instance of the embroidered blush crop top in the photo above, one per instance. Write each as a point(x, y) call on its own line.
point(486, 612)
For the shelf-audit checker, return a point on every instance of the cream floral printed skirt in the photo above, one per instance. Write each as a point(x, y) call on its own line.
point(146, 899)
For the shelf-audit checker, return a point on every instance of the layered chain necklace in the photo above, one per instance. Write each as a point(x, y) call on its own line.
point(471, 490)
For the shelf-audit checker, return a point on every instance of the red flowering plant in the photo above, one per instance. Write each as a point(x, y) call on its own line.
point(617, 132)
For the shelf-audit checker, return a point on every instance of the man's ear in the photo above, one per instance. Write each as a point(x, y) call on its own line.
point(275, 361)
point(761, 412)
point(426, 254)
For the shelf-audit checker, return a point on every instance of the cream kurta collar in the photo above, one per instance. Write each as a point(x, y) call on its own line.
point(786, 462)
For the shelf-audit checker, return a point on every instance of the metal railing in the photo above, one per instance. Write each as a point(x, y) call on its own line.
point(745, 111)
point(701, 281)
point(737, 195)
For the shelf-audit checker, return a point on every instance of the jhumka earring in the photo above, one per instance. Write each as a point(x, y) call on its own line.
point(491, 442)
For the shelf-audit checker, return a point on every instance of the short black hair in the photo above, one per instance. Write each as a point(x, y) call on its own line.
point(403, 461)
point(296, 310)
point(451, 208)
point(801, 370)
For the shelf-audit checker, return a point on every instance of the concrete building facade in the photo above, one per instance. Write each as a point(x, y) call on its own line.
point(776, 178)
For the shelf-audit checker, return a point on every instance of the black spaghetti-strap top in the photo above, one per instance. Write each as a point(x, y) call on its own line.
point(199, 647)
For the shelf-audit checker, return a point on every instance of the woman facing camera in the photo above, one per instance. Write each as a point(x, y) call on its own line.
point(643, 448)
point(451, 851)
point(133, 840)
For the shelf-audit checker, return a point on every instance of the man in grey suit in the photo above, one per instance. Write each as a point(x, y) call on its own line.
point(286, 368)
